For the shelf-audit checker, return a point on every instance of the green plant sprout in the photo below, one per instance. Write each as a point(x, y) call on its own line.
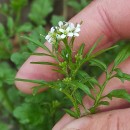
point(76, 82)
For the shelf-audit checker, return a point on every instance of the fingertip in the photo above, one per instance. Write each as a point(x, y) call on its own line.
point(66, 119)
point(35, 72)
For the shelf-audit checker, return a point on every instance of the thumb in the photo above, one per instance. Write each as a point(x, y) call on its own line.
point(112, 120)
point(99, 19)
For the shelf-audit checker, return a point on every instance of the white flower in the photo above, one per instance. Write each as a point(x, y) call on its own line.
point(63, 36)
point(62, 31)
point(60, 23)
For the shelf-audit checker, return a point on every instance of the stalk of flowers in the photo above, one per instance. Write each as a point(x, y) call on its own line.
point(76, 81)
point(62, 31)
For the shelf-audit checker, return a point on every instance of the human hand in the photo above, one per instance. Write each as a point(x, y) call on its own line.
point(101, 17)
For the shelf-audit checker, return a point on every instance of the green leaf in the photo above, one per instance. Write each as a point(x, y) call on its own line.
point(17, 5)
point(36, 89)
point(55, 19)
point(81, 49)
point(59, 71)
point(4, 126)
point(106, 103)
point(119, 93)
point(124, 54)
point(45, 63)
point(26, 27)
point(98, 63)
point(2, 31)
point(122, 76)
point(74, 4)
point(102, 51)
point(82, 74)
point(10, 24)
point(84, 88)
point(40, 54)
point(78, 97)
point(88, 55)
point(29, 113)
point(40, 9)
point(33, 81)
point(37, 43)
point(71, 113)
point(93, 47)
point(19, 58)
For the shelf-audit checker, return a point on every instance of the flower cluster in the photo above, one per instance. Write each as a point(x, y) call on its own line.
point(62, 31)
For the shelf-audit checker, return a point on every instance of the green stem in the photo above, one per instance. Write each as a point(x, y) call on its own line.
point(99, 95)
point(72, 99)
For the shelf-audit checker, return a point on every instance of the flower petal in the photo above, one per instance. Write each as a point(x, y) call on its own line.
point(63, 36)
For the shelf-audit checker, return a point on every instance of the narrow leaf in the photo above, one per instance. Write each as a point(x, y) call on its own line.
point(37, 43)
point(124, 54)
point(41, 54)
point(32, 81)
point(78, 97)
point(102, 51)
point(122, 76)
point(81, 49)
point(98, 63)
point(59, 71)
point(119, 93)
point(106, 103)
point(93, 47)
point(45, 63)
point(84, 88)
point(71, 113)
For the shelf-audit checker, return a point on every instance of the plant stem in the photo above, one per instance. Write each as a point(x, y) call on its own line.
point(99, 95)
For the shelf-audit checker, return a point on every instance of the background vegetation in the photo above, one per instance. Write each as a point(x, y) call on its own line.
point(33, 17)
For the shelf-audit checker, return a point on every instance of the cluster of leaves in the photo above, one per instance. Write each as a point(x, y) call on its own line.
point(78, 5)
point(19, 17)
point(77, 82)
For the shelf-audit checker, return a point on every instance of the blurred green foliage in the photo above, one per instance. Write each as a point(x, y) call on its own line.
point(33, 17)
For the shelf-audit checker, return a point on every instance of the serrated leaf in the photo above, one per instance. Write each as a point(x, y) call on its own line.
point(71, 113)
point(119, 93)
point(98, 63)
point(37, 14)
point(29, 113)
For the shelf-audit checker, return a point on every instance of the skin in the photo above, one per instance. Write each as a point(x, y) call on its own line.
point(110, 18)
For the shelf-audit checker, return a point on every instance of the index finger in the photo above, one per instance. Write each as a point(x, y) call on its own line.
point(95, 24)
